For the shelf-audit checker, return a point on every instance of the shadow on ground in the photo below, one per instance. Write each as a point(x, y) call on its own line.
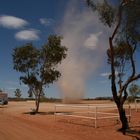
point(46, 113)
point(134, 132)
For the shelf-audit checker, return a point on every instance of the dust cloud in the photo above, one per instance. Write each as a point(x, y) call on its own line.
point(85, 37)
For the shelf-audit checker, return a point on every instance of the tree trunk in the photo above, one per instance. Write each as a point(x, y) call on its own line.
point(37, 104)
point(123, 118)
point(117, 99)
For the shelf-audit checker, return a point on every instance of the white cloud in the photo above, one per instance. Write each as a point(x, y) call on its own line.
point(105, 74)
point(30, 34)
point(92, 41)
point(12, 22)
point(46, 22)
point(11, 88)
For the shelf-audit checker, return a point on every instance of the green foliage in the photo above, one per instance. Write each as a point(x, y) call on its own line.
point(127, 11)
point(134, 90)
point(106, 11)
point(51, 55)
point(39, 65)
point(18, 93)
point(132, 24)
point(25, 58)
point(122, 52)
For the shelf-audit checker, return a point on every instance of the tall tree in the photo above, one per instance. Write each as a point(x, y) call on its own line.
point(123, 16)
point(39, 65)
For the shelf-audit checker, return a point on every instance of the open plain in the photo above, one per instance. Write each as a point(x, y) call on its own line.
point(16, 123)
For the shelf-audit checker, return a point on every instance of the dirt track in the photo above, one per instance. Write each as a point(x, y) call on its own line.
point(17, 124)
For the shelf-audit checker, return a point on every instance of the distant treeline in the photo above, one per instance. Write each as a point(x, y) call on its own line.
point(32, 99)
point(44, 99)
point(100, 98)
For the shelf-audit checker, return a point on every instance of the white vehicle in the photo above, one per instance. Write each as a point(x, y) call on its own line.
point(3, 98)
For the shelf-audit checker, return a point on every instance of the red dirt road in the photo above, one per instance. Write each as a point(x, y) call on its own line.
point(15, 124)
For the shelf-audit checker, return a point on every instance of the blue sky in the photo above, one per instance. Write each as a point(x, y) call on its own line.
point(85, 69)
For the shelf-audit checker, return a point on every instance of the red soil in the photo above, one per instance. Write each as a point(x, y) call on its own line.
point(16, 124)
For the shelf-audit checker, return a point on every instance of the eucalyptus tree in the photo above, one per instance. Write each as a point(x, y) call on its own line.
point(123, 17)
point(39, 65)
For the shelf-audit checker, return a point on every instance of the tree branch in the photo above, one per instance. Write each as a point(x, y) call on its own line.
point(119, 21)
point(114, 90)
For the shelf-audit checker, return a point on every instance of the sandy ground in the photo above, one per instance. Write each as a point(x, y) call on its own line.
point(17, 124)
